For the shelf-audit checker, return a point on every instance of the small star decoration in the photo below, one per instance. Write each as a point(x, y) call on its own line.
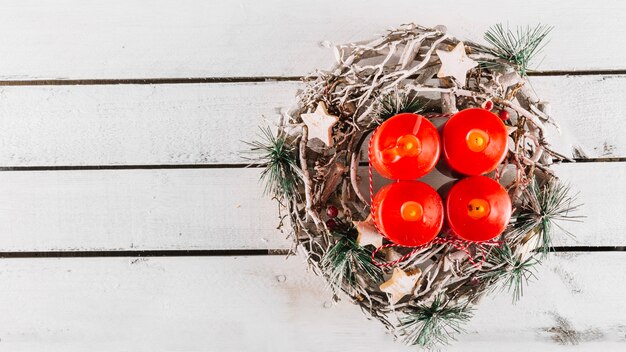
point(320, 124)
point(368, 233)
point(455, 64)
point(400, 284)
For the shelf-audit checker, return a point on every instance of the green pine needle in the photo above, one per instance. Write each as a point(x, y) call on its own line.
point(396, 103)
point(543, 207)
point(519, 46)
point(281, 174)
point(345, 259)
point(432, 325)
point(512, 273)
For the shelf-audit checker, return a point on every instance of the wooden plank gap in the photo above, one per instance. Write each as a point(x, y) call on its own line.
point(249, 79)
point(145, 81)
point(146, 253)
point(562, 249)
point(130, 167)
point(215, 166)
point(225, 252)
point(548, 73)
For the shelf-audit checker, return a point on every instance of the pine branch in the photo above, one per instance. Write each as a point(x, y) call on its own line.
point(435, 324)
point(511, 273)
point(396, 103)
point(519, 46)
point(346, 259)
point(543, 207)
point(281, 174)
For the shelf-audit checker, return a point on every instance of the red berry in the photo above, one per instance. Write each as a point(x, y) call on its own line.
point(488, 105)
point(504, 115)
point(330, 223)
point(332, 211)
point(474, 281)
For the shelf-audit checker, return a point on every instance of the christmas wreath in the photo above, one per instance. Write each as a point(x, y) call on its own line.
point(406, 258)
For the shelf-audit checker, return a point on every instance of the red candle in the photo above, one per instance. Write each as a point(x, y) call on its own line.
point(478, 208)
point(404, 147)
point(474, 141)
point(409, 213)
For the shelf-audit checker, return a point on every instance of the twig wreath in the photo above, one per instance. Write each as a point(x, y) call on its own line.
point(422, 294)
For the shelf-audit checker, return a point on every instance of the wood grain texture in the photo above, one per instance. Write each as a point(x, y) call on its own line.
point(273, 304)
point(196, 38)
point(136, 209)
point(214, 209)
point(205, 123)
point(143, 124)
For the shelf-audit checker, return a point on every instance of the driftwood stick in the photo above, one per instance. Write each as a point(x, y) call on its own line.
point(333, 179)
point(354, 170)
point(306, 179)
point(448, 99)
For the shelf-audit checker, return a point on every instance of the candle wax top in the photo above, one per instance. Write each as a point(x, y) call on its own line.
point(474, 141)
point(408, 213)
point(478, 208)
point(405, 147)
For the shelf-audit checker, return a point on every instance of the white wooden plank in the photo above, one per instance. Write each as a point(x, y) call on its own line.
point(214, 209)
point(587, 110)
point(113, 125)
point(205, 123)
point(138, 39)
point(136, 209)
point(602, 203)
point(270, 304)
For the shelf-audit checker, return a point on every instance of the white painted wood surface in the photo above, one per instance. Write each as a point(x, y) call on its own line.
point(214, 209)
point(136, 209)
point(205, 123)
point(193, 38)
point(273, 304)
point(259, 303)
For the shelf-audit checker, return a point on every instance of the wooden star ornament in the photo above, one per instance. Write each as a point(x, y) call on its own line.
point(368, 233)
point(400, 284)
point(320, 124)
point(455, 64)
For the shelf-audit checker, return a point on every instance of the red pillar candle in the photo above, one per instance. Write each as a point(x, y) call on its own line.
point(478, 208)
point(404, 147)
point(474, 141)
point(409, 213)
